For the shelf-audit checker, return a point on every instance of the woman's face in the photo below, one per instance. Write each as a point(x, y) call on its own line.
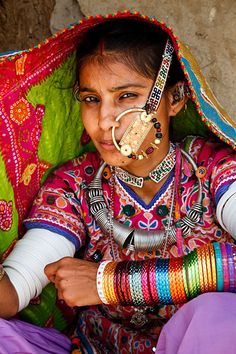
point(105, 92)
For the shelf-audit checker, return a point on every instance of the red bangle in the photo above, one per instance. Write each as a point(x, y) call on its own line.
point(145, 283)
point(118, 283)
point(152, 281)
point(173, 281)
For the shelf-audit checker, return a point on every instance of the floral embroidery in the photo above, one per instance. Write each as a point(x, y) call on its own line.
point(26, 176)
point(5, 215)
point(150, 224)
point(20, 111)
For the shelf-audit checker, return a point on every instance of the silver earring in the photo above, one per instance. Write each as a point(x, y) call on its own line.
point(178, 93)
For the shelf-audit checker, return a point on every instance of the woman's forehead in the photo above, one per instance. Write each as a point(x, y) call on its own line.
point(113, 69)
point(114, 75)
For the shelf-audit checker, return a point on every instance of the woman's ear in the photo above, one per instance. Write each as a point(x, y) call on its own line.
point(177, 98)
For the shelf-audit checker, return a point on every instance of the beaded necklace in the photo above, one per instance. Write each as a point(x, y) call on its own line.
point(156, 175)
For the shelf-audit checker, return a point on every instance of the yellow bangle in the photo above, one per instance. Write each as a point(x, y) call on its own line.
point(204, 269)
point(108, 283)
point(200, 270)
point(213, 267)
point(208, 263)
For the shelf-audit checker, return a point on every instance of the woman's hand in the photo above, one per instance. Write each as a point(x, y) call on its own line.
point(75, 280)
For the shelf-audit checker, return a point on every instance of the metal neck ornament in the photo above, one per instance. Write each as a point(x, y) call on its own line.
point(139, 128)
point(156, 175)
point(141, 240)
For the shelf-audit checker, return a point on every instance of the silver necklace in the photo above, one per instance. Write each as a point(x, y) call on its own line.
point(156, 175)
point(134, 239)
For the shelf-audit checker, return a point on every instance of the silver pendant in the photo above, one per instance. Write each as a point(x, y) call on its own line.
point(139, 318)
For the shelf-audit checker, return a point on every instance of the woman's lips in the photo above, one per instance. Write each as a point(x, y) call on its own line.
point(107, 145)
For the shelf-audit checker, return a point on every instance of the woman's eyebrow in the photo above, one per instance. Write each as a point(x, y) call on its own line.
point(114, 89)
point(86, 89)
point(130, 85)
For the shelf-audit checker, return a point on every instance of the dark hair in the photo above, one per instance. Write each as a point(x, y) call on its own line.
point(135, 43)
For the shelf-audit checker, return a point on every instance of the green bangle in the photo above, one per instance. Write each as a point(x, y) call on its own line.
point(185, 276)
point(191, 276)
point(197, 278)
point(219, 267)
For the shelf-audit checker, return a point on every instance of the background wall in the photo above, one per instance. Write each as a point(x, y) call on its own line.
point(207, 26)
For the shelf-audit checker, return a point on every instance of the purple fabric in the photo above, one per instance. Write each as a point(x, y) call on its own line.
point(205, 325)
point(18, 337)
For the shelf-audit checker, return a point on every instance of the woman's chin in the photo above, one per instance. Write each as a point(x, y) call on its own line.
point(115, 158)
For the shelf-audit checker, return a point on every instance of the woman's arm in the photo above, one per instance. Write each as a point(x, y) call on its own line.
point(8, 298)
point(24, 267)
point(226, 210)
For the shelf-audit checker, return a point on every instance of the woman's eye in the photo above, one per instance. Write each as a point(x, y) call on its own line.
point(128, 95)
point(89, 99)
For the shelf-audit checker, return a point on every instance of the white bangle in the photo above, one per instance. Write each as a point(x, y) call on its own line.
point(100, 272)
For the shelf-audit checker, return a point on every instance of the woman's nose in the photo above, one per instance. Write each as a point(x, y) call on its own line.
point(107, 117)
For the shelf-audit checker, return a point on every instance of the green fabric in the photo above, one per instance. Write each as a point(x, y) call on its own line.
point(62, 126)
point(187, 122)
point(7, 194)
point(59, 142)
point(45, 310)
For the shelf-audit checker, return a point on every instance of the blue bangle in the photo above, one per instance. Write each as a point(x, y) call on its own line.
point(219, 267)
point(162, 281)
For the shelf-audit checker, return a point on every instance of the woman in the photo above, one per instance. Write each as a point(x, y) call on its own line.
point(145, 175)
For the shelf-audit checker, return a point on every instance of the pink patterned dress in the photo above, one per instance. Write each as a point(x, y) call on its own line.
point(62, 207)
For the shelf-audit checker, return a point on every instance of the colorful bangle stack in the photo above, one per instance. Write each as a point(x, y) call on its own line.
point(208, 268)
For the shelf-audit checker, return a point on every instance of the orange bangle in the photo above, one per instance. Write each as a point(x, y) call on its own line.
point(108, 283)
point(180, 280)
point(200, 270)
point(172, 274)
